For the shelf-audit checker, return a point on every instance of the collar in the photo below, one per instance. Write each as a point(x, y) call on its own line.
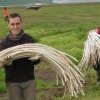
point(17, 37)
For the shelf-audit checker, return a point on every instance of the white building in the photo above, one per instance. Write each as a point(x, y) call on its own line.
point(74, 1)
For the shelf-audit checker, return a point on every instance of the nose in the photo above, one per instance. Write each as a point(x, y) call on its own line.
point(15, 25)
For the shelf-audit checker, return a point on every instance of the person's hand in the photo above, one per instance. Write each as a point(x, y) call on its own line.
point(7, 61)
point(36, 57)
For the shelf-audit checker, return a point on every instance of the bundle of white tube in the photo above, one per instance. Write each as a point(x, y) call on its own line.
point(91, 51)
point(70, 75)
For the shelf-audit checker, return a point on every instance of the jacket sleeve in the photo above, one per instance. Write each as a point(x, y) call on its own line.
point(3, 44)
point(36, 62)
point(32, 40)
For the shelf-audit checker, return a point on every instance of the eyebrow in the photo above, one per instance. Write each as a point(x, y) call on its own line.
point(15, 23)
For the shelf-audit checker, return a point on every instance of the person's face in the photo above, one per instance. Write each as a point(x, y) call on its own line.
point(15, 25)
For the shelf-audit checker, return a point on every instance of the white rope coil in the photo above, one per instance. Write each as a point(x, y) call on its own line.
point(70, 75)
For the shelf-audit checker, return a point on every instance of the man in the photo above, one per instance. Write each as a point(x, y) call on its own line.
point(19, 76)
point(5, 13)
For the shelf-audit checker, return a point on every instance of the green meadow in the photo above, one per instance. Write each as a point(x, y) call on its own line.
point(64, 27)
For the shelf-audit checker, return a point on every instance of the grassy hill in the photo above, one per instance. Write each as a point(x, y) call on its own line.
point(65, 28)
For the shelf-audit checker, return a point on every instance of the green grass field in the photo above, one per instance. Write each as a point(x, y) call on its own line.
point(65, 28)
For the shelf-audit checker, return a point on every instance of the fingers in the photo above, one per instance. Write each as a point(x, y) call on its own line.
point(7, 58)
point(7, 61)
point(33, 58)
point(36, 57)
point(39, 56)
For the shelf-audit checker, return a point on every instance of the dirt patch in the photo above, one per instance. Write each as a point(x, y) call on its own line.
point(3, 96)
point(47, 75)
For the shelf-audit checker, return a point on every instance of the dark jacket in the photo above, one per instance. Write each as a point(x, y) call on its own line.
point(21, 69)
point(97, 66)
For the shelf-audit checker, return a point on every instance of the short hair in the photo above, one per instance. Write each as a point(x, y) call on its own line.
point(5, 8)
point(14, 15)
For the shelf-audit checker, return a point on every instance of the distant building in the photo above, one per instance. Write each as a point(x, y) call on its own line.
point(60, 1)
point(74, 1)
